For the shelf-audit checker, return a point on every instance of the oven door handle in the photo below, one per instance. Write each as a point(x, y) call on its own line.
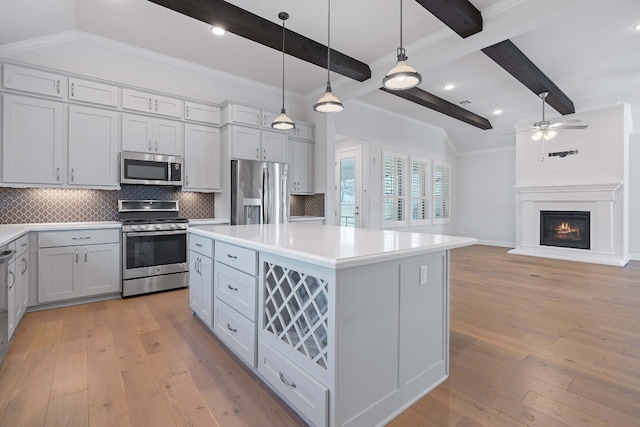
point(154, 233)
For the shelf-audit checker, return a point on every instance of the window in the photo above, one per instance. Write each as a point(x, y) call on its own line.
point(420, 191)
point(441, 193)
point(394, 189)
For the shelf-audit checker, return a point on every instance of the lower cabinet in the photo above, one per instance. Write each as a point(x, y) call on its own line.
point(201, 278)
point(18, 292)
point(68, 271)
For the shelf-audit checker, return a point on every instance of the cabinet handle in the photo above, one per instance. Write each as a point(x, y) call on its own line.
point(232, 288)
point(72, 174)
point(287, 383)
point(149, 144)
point(232, 256)
point(187, 111)
point(149, 104)
point(85, 255)
point(81, 238)
point(58, 86)
point(265, 154)
point(58, 174)
point(77, 255)
point(231, 329)
point(257, 153)
point(199, 245)
point(26, 266)
point(13, 281)
point(72, 88)
point(186, 178)
point(23, 245)
point(156, 105)
point(156, 145)
point(257, 118)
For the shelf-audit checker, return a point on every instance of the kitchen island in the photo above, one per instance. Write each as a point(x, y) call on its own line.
point(349, 326)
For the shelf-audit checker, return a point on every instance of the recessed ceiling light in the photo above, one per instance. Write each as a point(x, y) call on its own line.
point(637, 27)
point(497, 112)
point(448, 86)
point(218, 31)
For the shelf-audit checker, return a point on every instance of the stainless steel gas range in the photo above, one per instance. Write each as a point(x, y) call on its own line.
point(154, 246)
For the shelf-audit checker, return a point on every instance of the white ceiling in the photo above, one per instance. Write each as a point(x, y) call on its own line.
point(587, 47)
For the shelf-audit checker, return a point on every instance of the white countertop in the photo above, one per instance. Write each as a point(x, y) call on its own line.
point(306, 218)
point(208, 221)
point(332, 246)
point(10, 232)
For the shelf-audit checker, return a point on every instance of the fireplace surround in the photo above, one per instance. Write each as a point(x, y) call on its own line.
point(565, 229)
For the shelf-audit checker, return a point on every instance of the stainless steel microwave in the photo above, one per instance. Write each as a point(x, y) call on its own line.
point(150, 169)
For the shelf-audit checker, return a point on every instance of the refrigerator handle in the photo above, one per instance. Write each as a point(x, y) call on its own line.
point(265, 197)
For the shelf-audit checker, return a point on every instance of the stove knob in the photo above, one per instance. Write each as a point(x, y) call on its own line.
point(183, 225)
point(142, 227)
point(173, 226)
point(158, 226)
point(134, 227)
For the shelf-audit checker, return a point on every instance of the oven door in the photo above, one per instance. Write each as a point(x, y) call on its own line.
point(153, 253)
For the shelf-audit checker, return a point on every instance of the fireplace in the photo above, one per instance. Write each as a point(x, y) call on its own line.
point(567, 229)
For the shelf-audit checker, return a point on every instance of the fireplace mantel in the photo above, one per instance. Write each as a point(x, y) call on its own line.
point(603, 201)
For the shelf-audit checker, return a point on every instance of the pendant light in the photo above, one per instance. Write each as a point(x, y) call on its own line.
point(283, 122)
point(402, 76)
point(328, 103)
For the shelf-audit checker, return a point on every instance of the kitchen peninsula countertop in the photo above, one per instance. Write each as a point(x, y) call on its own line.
point(10, 232)
point(332, 246)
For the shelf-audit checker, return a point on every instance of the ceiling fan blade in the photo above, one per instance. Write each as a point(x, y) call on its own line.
point(556, 124)
point(519, 131)
point(571, 127)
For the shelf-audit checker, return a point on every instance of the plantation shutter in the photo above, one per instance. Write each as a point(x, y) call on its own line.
point(442, 192)
point(420, 191)
point(394, 191)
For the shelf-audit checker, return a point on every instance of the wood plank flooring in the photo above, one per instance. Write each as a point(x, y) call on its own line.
point(534, 342)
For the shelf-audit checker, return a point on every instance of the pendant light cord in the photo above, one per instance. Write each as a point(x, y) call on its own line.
point(283, 32)
point(328, 42)
point(401, 25)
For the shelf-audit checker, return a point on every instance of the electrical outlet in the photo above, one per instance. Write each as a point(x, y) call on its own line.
point(423, 274)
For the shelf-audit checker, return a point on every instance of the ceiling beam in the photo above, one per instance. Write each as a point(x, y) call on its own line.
point(508, 56)
point(459, 15)
point(433, 102)
point(245, 24)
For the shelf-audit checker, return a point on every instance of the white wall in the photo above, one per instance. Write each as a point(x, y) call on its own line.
point(487, 197)
point(634, 195)
point(390, 132)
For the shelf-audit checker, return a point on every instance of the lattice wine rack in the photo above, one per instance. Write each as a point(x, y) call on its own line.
point(295, 310)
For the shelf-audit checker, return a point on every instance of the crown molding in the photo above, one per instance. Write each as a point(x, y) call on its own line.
point(488, 151)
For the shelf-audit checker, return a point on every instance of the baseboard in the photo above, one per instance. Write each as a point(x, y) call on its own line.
point(634, 257)
point(497, 243)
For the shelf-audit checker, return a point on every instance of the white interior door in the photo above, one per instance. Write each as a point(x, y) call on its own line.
point(349, 187)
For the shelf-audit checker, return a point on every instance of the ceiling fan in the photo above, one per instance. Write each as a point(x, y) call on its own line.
point(546, 129)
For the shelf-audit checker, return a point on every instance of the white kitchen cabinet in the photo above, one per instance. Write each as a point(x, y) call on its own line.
point(93, 147)
point(93, 92)
point(202, 158)
point(67, 270)
point(248, 115)
point(34, 81)
point(32, 154)
point(201, 278)
point(301, 156)
point(203, 113)
point(302, 131)
point(255, 144)
point(18, 283)
point(151, 135)
point(151, 103)
point(12, 299)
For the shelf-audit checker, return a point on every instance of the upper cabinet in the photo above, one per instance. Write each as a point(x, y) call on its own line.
point(246, 115)
point(151, 135)
point(93, 147)
point(196, 112)
point(151, 103)
point(93, 92)
point(34, 81)
point(201, 158)
point(302, 131)
point(32, 154)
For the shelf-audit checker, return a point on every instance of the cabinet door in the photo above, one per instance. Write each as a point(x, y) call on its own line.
point(201, 158)
point(206, 276)
point(246, 115)
point(35, 81)
point(167, 137)
point(195, 283)
point(137, 133)
point(59, 273)
point(100, 269)
point(93, 147)
point(304, 167)
point(274, 146)
point(94, 92)
point(268, 117)
point(245, 143)
point(201, 113)
point(32, 154)
point(22, 274)
point(167, 106)
point(12, 300)
point(138, 101)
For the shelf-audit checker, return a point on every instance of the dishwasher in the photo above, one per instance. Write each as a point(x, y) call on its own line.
point(5, 257)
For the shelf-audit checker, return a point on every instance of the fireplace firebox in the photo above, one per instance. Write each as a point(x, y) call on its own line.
point(568, 229)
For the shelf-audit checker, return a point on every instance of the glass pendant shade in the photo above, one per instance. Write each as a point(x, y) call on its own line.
point(283, 122)
point(328, 103)
point(402, 76)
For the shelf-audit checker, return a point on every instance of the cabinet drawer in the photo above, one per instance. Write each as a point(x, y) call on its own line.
point(201, 113)
point(34, 81)
point(94, 92)
point(237, 332)
point(246, 115)
point(47, 239)
point(202, 245)
point(243, 259)
point(22, 245)
point(237, 289)
point(307, 395)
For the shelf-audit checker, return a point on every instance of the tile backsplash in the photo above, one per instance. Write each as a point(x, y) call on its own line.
point(39, 205)
point(307, 205)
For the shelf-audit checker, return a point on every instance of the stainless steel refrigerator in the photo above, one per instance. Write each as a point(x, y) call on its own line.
point(259, 192)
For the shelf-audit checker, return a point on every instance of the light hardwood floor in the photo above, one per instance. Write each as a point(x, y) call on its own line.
point(534, 342)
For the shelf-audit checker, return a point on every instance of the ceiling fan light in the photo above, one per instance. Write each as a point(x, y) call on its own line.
point(537, 136)
point(549, 134)
point(328, 103)
point(283, 122)
point(401, 77)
